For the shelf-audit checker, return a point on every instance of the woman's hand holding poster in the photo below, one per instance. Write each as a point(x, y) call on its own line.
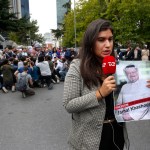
point(132, 97)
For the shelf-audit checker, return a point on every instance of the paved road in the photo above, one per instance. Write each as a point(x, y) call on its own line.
point(41, 123)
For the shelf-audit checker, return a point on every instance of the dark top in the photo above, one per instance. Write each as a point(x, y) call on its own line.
point(109, 104)
point(109, 107)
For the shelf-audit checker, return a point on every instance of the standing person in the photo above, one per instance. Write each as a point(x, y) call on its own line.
point(73, 54)
point(145, 53)
point(134, 54)
point(119, 54)
point(129, 53)
point(88, 94)
point(54, 53)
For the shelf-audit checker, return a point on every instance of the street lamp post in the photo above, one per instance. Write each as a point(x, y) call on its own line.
point(75, 34)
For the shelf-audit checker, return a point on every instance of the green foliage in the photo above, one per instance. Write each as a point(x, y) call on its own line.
point(131, 19)
point(67, 6)
point(57, 33)
point(17, 29)
point(7, 19)
point(27, 31)
point(68, 29)
point(13, 36)
point(85, 12)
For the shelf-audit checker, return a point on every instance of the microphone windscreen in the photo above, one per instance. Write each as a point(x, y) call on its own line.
point(109, 65)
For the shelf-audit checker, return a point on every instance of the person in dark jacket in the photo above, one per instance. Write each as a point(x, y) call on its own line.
point(134, 54)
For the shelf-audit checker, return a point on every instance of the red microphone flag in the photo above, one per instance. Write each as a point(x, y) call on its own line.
point(109, 65)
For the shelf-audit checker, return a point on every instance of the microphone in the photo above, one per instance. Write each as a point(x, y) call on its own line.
point(109, 65)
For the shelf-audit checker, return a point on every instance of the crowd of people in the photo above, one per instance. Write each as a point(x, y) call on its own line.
point(46, 66)
point(137, 53)
point(43, 67)
point(88, 92)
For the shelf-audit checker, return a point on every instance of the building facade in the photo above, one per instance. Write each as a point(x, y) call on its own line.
point(25, 8)
point(20, 8)
point(61, 11)
point(50, 40)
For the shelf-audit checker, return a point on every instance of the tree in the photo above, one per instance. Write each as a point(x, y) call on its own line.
point(85, 12)
point(131, 20)
point(27, 31)
point(57, 33)
point(67, 6)
point(19, 35)
point(19, 30)
point(7, 19)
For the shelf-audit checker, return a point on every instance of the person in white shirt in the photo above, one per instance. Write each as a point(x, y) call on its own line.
point(135, 89)
point(24, 52)
point(45, 71)
point(59, 65)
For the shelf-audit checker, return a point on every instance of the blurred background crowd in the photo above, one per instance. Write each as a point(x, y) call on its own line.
point(46, 66)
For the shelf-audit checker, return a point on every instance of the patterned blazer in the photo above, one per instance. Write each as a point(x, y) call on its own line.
point(87, 112)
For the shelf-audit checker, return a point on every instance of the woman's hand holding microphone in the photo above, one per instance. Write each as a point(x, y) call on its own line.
point(108, 85)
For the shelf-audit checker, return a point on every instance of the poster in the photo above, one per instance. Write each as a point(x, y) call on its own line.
point(132, 96)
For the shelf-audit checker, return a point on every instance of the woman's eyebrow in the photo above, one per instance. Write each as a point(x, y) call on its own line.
point(103, 37)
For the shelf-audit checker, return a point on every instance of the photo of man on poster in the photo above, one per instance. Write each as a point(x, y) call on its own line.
point(133, 102)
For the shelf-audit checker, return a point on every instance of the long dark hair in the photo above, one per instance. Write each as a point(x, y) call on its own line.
point(90, 65)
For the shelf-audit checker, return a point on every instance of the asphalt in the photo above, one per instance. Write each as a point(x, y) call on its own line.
point(40, 122)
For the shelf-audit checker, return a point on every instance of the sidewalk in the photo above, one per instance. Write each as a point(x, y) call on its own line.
point(139, 135)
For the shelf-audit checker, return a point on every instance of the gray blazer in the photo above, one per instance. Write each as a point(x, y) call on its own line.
point(87, 112)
